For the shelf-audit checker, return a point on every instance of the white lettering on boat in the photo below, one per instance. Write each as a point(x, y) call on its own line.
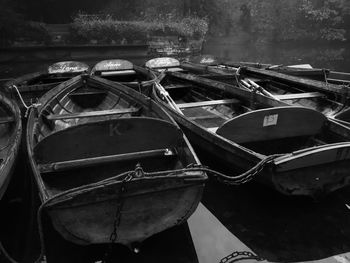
point(112, 65)
point(162, 63)
point(65, 69)
point(207, 60)
point(270, 120)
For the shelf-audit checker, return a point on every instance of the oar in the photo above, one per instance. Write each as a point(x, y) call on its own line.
point(262, 90)
point(167, 97)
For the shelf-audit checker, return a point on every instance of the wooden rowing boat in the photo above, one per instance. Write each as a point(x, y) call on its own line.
point(236, 129)
point(10, 139)
point(110, 164)
point(302, 71)
point(330, 100)
point(33, 85)
point(125, 72)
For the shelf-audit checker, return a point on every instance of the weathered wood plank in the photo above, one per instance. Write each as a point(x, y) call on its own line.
point(86, 162)
point(306, 95)
point(207, 103)
point(91, 114)
point(118, 73)
point(177, 86)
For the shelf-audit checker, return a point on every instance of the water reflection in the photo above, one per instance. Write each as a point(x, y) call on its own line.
point(335, 57)
point(279, 228)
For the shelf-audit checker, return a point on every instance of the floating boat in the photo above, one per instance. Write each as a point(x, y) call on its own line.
point(33, 85)
point(110, 164)
point(125, 72)
point(302, 71)
point(330, 100)
point(10, 139)
point(296, 150)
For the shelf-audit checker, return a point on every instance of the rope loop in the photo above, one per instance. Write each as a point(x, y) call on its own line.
point(33, 105)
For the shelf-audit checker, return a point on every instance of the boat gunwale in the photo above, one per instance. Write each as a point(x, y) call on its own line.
point(143, 100)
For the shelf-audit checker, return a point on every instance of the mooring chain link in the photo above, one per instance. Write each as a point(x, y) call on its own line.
point(120, 201)
point(240, 255)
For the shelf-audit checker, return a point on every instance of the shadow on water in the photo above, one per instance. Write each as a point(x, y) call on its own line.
point(282, 229)
point(173, 245)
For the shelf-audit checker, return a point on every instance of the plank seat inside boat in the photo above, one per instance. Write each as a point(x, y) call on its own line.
point(306, 95)
point(177, 86)
point(273, 124)
point(88, 93)
point(109, 140)
point(92, 114)
point(6, 119)
point(86, 162)
point(207, 103)
point(118, 73)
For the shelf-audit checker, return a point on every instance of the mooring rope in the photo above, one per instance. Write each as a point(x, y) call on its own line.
point(34, 105)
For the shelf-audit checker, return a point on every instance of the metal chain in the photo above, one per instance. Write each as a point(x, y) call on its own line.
point(240, 255)
point(120, 202)
point(242, 178)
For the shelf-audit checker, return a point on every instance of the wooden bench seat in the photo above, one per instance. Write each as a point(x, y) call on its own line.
point(88, 93)
point(177, 86)
point(118, 73)
point(305, 95)
point(86, 162)
point(91, 114)
point(207, 103)
point(213, 116)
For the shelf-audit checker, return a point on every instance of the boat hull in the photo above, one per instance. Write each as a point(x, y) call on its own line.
point(148, 206)
point(315, 172)
point(9, 152)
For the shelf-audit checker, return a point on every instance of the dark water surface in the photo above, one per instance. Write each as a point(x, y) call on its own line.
point(277, 228)
point(334, 57)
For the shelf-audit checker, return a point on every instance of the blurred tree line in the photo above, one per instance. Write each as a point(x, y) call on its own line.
point(266, 20)
point(284, 20)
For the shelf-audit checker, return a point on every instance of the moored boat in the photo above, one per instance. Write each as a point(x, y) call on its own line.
point(331, 100)
point(110, 164)
point(296, 150)
point(10, 139)
point(302, 71)
point(125, 72)
point(33, 85)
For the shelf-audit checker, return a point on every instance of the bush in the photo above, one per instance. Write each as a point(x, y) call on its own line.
point(106, 29)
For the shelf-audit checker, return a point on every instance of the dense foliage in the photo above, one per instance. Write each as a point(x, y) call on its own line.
point(105, 28)
point(261, 20)
point(285, 20)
